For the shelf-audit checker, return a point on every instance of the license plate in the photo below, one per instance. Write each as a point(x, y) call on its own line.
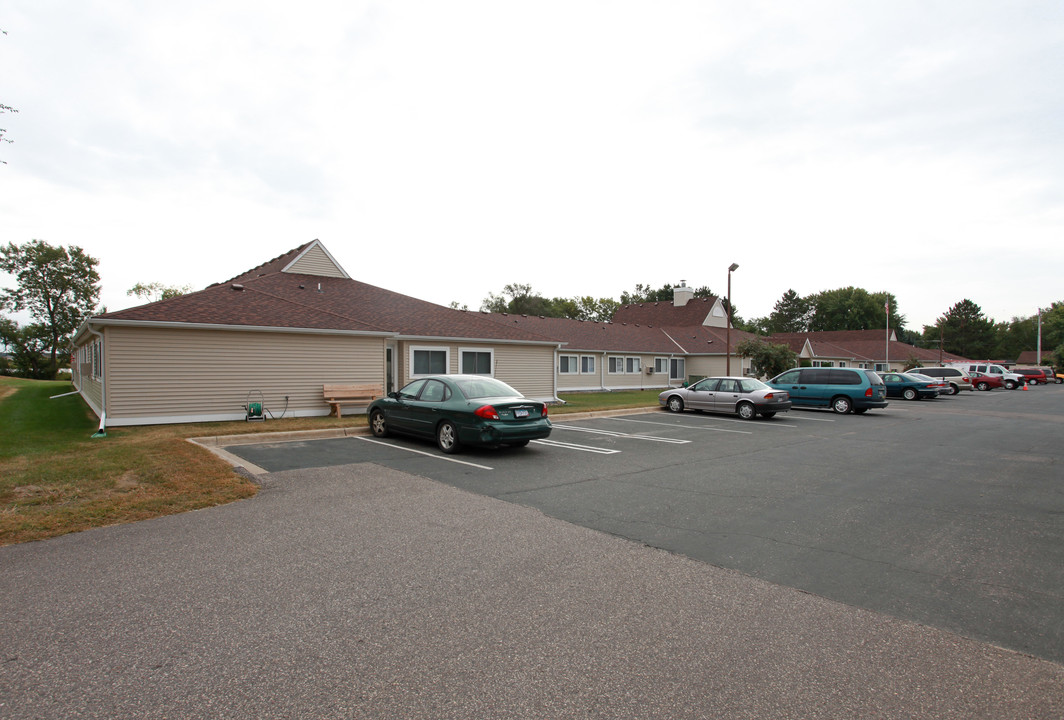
point(521, 413)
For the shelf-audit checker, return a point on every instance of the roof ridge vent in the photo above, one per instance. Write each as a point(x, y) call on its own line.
point(238, 287)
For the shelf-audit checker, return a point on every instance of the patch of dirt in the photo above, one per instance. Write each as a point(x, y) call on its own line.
point(127, 482)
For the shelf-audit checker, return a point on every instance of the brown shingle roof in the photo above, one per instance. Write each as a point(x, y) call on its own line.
point(581, 335)
point(664, 313)
point(266, 297)
point(864, 345)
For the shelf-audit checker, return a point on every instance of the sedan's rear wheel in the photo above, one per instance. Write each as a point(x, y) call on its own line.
point(675, 404)
point(982, 386)
point(909, 394)
point(447, 437)
point(378, 424)
point(746, 411)
point(842, 404)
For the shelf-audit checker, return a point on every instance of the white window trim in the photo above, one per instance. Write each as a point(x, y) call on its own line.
point(574, 365)
point(661, 365)
point(429, 348)
point(619, 364)
point(637, 361)
point(593, 369)
point(491, 351)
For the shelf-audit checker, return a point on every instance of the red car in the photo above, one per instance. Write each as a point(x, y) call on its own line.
point(982, 381)
point(1034, 376)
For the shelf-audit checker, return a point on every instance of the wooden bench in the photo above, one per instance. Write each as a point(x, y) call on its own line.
point(361, 395)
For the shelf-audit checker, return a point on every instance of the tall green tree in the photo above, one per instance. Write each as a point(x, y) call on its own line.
point(853, 308)
point(791, 314)
point(966, 331)
point(57, 286)
point(28, 345)
point(521, 299)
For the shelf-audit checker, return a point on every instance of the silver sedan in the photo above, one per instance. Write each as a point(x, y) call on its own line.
point(746, 397)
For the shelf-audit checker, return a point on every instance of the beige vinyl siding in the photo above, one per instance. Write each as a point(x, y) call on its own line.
point(712, 365)
point(316, 262)
point(632, 381)
point(171, 375)
point(580, 381)
point(529, 369)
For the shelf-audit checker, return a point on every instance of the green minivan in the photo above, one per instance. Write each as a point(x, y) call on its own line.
point(843, 390)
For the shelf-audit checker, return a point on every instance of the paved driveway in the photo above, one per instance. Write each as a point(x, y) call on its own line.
point(946, 512)
point(359, 591)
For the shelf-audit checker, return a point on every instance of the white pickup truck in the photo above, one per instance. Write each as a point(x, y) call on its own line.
point(1010, 379)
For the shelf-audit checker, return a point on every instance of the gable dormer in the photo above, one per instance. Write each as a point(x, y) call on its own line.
point(718, 316)
point(315, 260)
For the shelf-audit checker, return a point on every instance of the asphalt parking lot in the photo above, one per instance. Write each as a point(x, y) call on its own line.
point(353, 589)
point(948, 512)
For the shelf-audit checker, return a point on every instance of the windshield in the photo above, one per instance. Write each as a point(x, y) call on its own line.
point(482, 387)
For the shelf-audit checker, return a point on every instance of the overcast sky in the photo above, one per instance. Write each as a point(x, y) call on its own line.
point(445, 149)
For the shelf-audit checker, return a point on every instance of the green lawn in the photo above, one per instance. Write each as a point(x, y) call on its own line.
point(586, 402)
point(56, 478)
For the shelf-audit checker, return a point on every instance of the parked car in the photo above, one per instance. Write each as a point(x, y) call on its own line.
point(1053, 376)
point(458, 410)
point(841, 389)
point(1034, 376)
point(908, 386)
point(983, 381)
point(746, 397)
point(1010, 380)
point(956, 378)
point(937, 384)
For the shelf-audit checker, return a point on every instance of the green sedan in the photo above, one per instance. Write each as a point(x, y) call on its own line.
point(458, 410)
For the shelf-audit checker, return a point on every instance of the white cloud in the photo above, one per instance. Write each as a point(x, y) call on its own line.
point(446, 149)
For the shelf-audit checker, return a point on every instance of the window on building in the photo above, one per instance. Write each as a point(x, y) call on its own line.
point(567, 365)
point(587, 364)
point(615, 365)
point(476, 362)
point(632, 365)
point(661, 365)
point(429, 361)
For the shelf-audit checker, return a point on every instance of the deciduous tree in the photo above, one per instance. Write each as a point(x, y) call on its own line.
point(155, 291)
point(768, 359)
point(57, 286)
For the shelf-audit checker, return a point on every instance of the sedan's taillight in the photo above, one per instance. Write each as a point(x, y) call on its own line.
point(487, 412)
point(544, 411)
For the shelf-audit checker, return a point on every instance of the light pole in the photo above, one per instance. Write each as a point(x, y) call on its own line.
point(727, 341)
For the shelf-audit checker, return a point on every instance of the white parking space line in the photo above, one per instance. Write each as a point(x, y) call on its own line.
point(426, 454)
point(679, 425)
point(572, 446)
point(628, 436)
point(751, 423)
